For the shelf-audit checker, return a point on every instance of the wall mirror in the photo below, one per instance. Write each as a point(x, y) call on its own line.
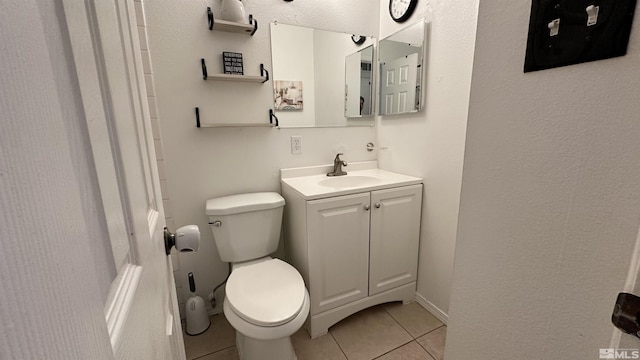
point(401, 59)
point(321, 78)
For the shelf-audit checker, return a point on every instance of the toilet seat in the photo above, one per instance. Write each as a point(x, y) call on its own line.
point(269, 293)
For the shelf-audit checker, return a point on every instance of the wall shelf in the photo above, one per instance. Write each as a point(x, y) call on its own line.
point(231, 26)
point(273, 122)
point(263, 78)
point(241, 78)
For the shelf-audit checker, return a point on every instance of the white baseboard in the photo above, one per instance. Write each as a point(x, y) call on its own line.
point(436, 311)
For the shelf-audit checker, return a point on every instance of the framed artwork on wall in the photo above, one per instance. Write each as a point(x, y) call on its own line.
point(288, 95)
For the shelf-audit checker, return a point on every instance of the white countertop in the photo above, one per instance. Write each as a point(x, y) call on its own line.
point(307, 181)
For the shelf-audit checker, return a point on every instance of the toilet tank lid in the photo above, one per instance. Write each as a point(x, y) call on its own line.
point(241, 203)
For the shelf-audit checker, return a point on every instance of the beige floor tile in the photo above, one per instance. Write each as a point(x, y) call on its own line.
point(413, 318)
point(226, 354)
point(219, 336)
point(434, 342)
point(368, 334)
point(411, 351)
point(321, 348)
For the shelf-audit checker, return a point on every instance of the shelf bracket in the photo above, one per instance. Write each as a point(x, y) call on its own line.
point(197, 117)
point(204, 69)
point(262, 72)
point(210, 17)
point(271, 117)
point(253, 22)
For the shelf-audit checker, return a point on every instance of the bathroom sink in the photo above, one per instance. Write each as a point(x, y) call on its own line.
point(313, 183)
point(348, 181)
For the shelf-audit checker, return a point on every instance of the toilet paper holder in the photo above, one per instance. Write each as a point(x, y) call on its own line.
point(185, 239)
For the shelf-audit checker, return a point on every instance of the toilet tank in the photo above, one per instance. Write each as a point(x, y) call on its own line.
point(245, 226)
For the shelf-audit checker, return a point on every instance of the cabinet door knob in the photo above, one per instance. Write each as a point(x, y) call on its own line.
point(377, 205)
point(367, 207)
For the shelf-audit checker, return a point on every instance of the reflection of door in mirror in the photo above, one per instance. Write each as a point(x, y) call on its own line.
point(398, 85)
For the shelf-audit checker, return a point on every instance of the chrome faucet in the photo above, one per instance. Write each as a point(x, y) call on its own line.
point(337, 166)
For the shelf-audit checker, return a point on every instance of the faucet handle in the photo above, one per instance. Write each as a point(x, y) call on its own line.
point(338, 156)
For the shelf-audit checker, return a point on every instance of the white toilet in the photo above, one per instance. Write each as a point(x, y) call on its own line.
point(266, 299)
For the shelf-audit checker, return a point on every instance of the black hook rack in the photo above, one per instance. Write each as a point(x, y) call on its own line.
point(262, 72)
point(204, 69)
point(271, 117)
point(210, 17)
point(253, 22)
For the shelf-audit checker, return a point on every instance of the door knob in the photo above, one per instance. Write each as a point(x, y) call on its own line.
point(377, 205)
point(367, 207)
point(625, 314)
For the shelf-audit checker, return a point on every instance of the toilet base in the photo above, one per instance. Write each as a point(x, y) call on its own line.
point(253, 349)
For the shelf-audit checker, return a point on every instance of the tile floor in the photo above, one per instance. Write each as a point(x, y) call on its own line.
point(387, 332)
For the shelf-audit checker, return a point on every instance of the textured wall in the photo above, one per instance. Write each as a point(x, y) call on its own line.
point(550, 198)
point(205, 163)
point(430, 144)
point(55, 269)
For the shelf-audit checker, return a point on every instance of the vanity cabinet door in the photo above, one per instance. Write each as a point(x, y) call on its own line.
point(338, 233)
point(395, 232)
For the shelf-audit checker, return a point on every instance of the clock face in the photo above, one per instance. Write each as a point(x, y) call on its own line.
point(401, 10)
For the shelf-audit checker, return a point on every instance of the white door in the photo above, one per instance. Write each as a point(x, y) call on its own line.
point(398, 85)
point(394, 238)
point(141, 309)
point(338, 233)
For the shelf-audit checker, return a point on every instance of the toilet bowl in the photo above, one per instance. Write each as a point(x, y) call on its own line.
point(266, 303)
point(266, 299)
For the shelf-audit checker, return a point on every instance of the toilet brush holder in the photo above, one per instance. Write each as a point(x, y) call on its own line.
point(196, 314)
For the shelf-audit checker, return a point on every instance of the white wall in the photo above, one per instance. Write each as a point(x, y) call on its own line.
point(550, 198)
point(56, 263)
point(430, 144)
point(205, 163)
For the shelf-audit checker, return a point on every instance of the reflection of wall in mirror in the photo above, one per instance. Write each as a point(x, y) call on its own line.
point(358, 83)
point(292, 53)
point(330, 48)
point(352, 87)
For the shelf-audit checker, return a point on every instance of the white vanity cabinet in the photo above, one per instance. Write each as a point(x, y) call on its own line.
point(394, 236)
point(338, 237)
point(353, 251)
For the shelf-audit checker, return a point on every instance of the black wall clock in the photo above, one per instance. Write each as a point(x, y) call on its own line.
point(401, 10)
